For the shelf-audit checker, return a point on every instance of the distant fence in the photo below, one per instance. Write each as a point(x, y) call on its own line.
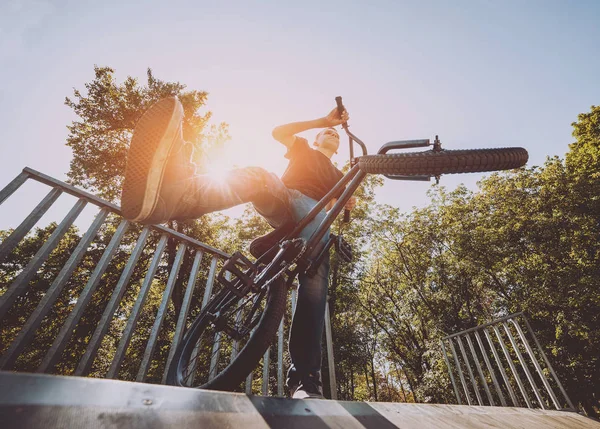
point(143, 271)
point(496, 364)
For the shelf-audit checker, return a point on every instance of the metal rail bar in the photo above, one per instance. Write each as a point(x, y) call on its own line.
point(471, 376)
point(85, 364)
point(460, 373)
point(183, 312)
point(34, 321)
point(511, 392)
point(330, 358)
point(479, 370)
point(280, 375)
point(135, 312)
point(265, 381)
point(24, 227)
point(524, 366)
point(548, 365)
point(20, 284)
point(160, 314)
point(537, 366)
point(61, 340)
point(43, 178)
point(490, 369)
point(512, 367)
point(501, 319)
point(216, 351)
point(15, 184)
point(445, 354)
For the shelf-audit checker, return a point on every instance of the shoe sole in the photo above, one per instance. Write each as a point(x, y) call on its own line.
point(154, 136)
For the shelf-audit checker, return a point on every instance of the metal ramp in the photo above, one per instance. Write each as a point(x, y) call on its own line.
point(36, 401)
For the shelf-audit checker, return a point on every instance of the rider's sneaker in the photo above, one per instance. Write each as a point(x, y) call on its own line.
point(310, 387)
point(158, 163)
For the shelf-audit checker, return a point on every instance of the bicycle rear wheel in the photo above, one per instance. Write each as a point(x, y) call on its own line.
point(218, 353)
point(434, 163)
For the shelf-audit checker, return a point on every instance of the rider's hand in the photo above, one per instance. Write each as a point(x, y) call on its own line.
point(351, 203)
point(333, 118)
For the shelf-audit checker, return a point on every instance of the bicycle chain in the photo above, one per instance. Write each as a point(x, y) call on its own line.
point(289, 264)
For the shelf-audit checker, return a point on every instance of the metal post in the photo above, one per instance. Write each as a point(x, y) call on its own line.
point(450, 373)
point(512, 367)
point(85, 364)
point(460, 373)
point(135, 312)
point(511, 392)
point(216, 351)
point(60, 342)
point(471, 376)
point(330, 360)
point(24, 227)
point(548, 365)
point(490, 369)
point(183, 312)
point(160, 315)
point(524, 366)
point(34, 321)
point(479, 370)
point(22, 281)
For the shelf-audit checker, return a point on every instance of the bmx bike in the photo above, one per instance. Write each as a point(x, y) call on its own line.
point(230, 335)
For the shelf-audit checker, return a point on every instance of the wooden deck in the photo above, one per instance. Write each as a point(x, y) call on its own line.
point(43, 401)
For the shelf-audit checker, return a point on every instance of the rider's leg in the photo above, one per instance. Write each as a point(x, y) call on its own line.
point(309, 317)
point(161, 183)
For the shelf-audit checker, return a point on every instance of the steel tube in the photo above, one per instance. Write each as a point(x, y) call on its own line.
point(524, 366)
point(490, 369)
point(216, 351)
point(15, 184)
point(20, 284)
point(502, 319)
point(479, 370)
point(460, 373)
point(471, 376)
point(511, 392)
point(512, 367)
point(34, 321)
point(235, 343)
point(330, 359)
point(183, 312)
point(548, 365)
point(24, 227)
point(135, 312)
point(450, 373)
point(160, 314)
point(61, 340)
point(85, 364)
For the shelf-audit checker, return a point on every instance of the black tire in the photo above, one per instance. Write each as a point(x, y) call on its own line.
point(230, 378)
point(444, 162)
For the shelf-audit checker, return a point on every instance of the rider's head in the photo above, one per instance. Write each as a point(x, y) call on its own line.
point(327, 141)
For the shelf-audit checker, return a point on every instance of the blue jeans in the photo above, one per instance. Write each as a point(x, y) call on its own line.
point(276, 203)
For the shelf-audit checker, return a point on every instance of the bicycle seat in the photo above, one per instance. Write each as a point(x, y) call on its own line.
point(259, 246)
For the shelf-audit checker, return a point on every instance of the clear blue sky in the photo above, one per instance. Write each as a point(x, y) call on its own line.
point(478, 73)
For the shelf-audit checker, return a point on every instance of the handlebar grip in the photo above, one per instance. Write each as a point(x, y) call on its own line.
point(340, 106)
point(346, 216)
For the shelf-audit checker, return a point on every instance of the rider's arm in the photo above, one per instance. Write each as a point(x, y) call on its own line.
point(286, 133)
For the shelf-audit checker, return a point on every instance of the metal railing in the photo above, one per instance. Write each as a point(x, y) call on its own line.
point(143, 252)
point(497, 358)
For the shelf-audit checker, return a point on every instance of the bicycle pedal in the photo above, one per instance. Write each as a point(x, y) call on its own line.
point(344, 250)
point(242, 274)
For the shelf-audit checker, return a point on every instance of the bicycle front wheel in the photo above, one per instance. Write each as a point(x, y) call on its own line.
point(228, 339)
point(435, 163)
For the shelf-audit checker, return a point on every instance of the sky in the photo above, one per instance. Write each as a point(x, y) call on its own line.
point(477, 73)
